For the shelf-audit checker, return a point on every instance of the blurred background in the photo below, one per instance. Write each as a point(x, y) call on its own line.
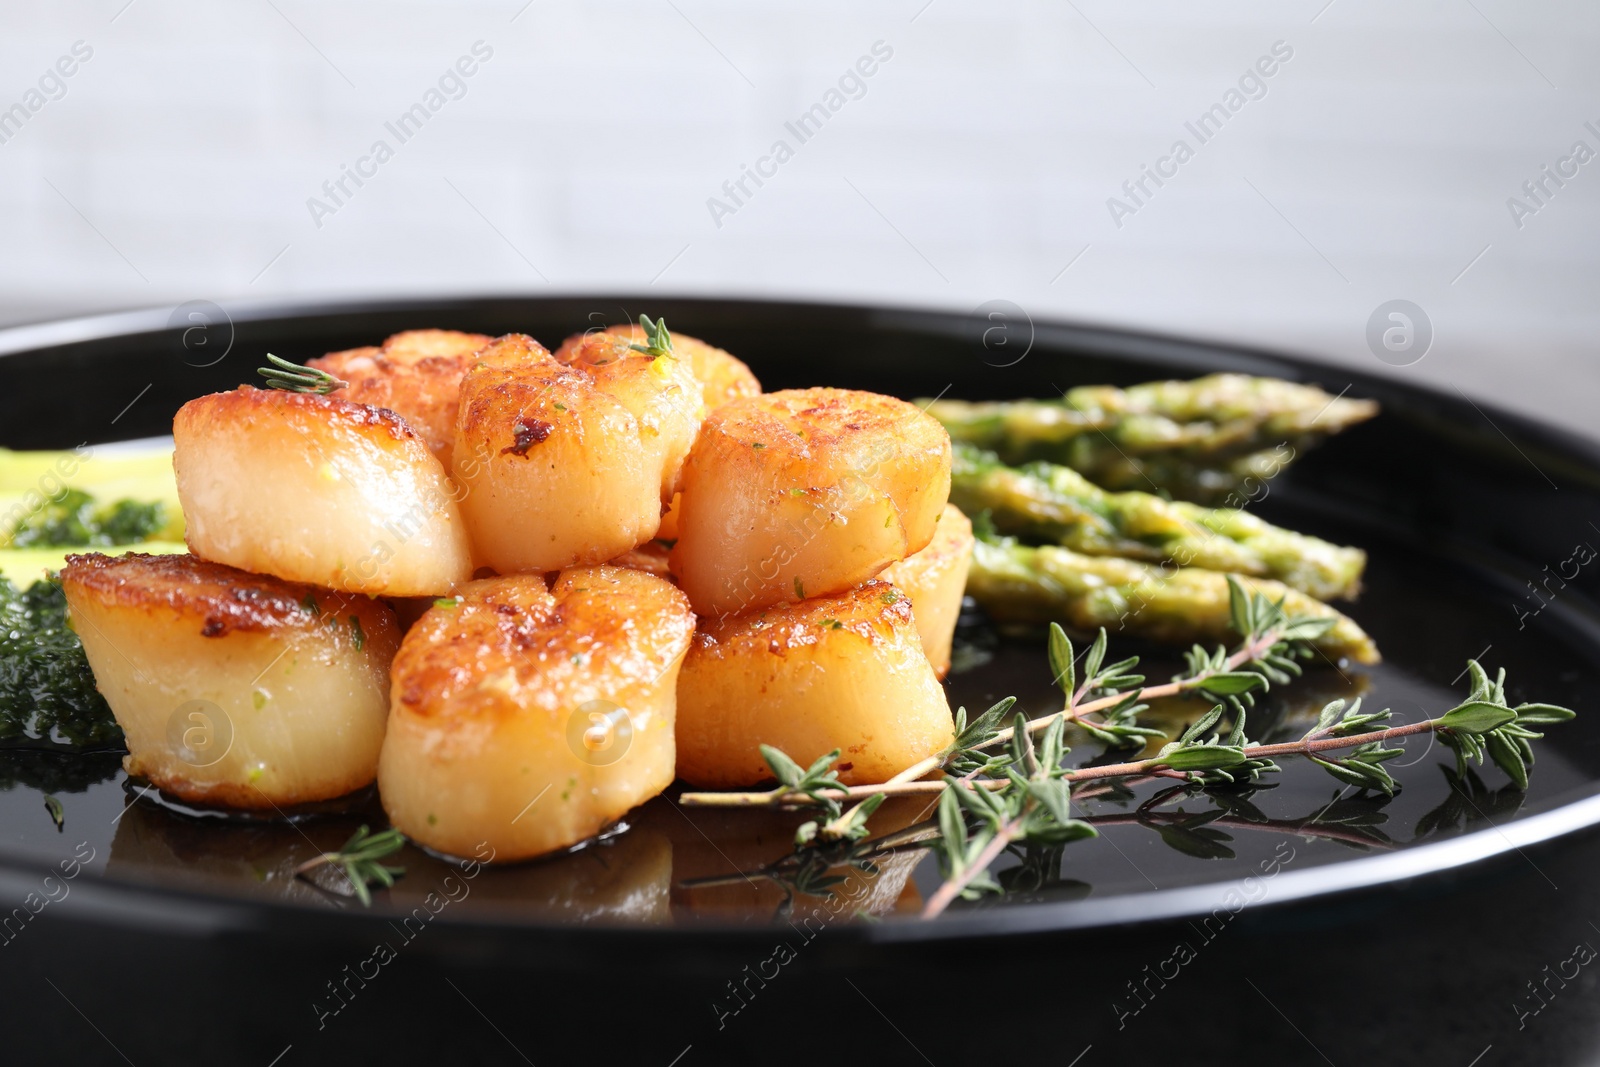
point(944, 153)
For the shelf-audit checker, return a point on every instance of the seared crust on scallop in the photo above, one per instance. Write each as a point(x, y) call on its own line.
point(722, 375)
point(226, 599)
point(528, 717)
point(845, 671)
point(568, 464)
point(805, 492)
point(233, 688)
point(317, 489)
point(416, 374)
point(935, 579)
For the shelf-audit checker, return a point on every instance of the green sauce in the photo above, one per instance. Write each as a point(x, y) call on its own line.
point(47, 694)
point(74, 518)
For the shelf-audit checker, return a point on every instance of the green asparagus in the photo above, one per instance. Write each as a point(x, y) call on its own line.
point(1198, 440)
point(1055, 504)
point(1158, 602)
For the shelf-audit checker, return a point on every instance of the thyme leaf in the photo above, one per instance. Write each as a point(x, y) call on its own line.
point(281, 374)
point(358, 860)
point(658, 342)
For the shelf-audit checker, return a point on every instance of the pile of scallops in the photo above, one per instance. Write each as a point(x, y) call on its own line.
point(524, 591)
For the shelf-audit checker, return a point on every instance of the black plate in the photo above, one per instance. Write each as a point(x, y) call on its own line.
point(1402, 932)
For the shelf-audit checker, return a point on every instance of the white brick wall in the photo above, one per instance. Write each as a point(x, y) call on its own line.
point(593, 137)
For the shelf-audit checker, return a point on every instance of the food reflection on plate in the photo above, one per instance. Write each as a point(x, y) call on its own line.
point(734, 866)
point(154, 844)
point(624, 877)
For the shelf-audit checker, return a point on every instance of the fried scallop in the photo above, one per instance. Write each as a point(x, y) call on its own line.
point(722, 375)
point(805, 492)
point(844, 672)
point(566, 464)
point(235, 689)
point(935, 579)
point(527, 718)
point(317, 489)
point(416, 374)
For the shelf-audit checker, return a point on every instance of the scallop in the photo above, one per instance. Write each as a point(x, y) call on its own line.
point(845, 671)
point(235, 689)
point(527, 718)
point(317, 489)
point(416, 374)
point(567, 464)
point(722, 376)
point(936, 579)
point(805, 492)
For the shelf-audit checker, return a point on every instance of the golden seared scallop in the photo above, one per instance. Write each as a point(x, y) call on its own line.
point(722, 375)
point(527, 718)
point(844, 672)
point(233, 688)
point(805, 492)
point(567, 464)
point(935, 579)
point(317, 489)
point(416, 374)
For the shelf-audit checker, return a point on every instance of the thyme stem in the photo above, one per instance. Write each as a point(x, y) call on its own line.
point(1152, 766)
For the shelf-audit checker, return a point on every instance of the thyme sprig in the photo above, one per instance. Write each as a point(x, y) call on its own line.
point(281, 374)
point(1353, 822)
point(1507, 743)
point(815, 782)
point(658, 342)
point(358, 860)
point(1005, 788)
point(977, 825)
point(1200, 755)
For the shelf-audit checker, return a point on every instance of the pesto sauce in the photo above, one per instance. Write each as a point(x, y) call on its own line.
point(48, 697)
point(74, 518)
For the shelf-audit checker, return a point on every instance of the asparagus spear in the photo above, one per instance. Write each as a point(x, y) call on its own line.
point(1199, 439)
point(1046, 502)
point(1017, 583)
